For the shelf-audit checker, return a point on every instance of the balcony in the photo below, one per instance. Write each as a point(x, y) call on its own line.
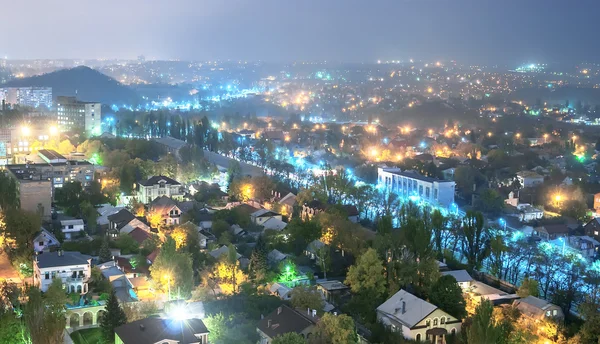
point(78, 279)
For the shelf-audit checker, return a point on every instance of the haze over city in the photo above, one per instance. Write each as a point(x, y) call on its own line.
point(299, 172)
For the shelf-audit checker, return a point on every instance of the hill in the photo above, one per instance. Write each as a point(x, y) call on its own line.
point(85, 83)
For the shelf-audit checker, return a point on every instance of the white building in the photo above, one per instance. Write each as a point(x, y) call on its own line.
point(74, 114)
point(261, 216)
point(529, 179)
point(462, 277)
point(159, 186)
point(412, 184)
point(417, 319)
point(71, 228)
point(73, 268)
point(44, 241)
point(27, 96)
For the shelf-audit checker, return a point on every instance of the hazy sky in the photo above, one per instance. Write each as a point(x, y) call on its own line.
point(486, 31)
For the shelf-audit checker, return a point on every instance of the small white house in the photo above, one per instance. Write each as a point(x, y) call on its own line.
point(71, 228)
point(462, 277)
point(261, 216)
point(44, 241)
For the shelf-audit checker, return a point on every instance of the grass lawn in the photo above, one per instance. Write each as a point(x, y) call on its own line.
point(87, 336)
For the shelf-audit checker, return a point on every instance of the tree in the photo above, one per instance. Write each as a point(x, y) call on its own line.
point(475, 239)
point(258, 260)
point(335, 329)
point(529, 287)
point(44, 316)
point(307, 297)
point(12, 329)
point(173, 270)
point(491, 202)
point(104, 254)
point(19, 230)
point(112, 318)
point(367, 275)
point(289, 338)
point(447, 295)
point(483, 328)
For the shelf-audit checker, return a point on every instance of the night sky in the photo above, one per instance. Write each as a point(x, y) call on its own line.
point(484, 31)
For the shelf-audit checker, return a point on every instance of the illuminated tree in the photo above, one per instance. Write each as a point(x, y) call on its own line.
point(367, 275)
point(529, 287)
point(154, 219)
point(180, 237)
point(483, 328)
point(172, 270)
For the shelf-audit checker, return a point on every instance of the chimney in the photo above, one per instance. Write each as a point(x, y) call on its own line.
point(142, 327)
point(403, 307)
point(279, 309)
point(314, 313)
point(308, 311)
point(269, 323)
point(60, 252)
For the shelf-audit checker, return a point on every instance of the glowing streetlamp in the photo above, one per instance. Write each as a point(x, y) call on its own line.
point(489, 134)
point(518, 135)
point(53, 130)
point(26, 131)
point(545, 138)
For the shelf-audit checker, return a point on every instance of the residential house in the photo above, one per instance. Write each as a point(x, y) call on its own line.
point(167, 208)
point(224, 251)
point(162, 331)
point(71, 228)
point(275, 257)
point(274, 224)
point(140, 235)
point(44, 241)
point(206, 219)
point(537, 309)
point(584, 245)
point(332, 290)
point(417, 319)
point(123, 222)
point(311, 209)
point(462, 277)
point(529, 179)
point(312, 249)
point(551, 232)
point(285, 320)
point(104, 211)
point(287, 203)
point(281, 291)
point(592, 228)
point(260, 216)
point(205, 238)
point(73, 269)
point(159, 186)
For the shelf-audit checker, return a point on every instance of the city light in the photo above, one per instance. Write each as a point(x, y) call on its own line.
point(53, 130)
point(26, 131)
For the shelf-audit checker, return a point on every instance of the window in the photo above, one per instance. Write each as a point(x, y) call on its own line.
point(427, 192)
point(548, 313)
point(596, 233)
point(47, 275)
point(420, 190)
point(555, 312)
point(418, 337)
point(428, 322)
point(443, 320)
point(70, 226)
point(41, 243)
point(453, 331)
point(435, 322)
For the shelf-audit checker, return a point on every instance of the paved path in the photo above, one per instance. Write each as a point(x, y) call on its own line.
point(224, 161)
point(7, 271)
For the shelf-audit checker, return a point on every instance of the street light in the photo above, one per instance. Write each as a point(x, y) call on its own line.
point(53, 130)
point(564, 243)
point(26, 131)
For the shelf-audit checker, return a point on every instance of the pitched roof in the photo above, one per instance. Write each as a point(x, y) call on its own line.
point(459, 275)
point(276, 256)
point(154, 181)
point(263, 213)
point(45, 234)
point(284, 320)
point(163, 204)
point(533, 306)
point(52, 259)
point(221, 251)
point(555, 229)
point(152, 256)
point(415, 309)
point(121, 216)
point(157, 330)
point(170, 142)
point(275, 224)
point(140, 235)
point(289, 199)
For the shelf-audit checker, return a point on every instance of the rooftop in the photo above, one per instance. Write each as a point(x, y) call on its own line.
point(157, 179)
point(284, 320)
point(406, 308)
point(157, 330)
point(459, 275)
point(414, 175)
point(55, 259)
point(170, 142)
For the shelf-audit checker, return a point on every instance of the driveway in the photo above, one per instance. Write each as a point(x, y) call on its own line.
point(7, 272)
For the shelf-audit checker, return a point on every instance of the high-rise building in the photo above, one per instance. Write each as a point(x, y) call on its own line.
point(77, 115)
point(34, 97)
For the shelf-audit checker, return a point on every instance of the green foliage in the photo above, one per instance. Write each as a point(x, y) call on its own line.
point(112, 318)
point(104, 254)
point(335, 329)
point(44, 316)
point(529, 287)
point(490, 202)
point(307, 297)
point(84, 246)
point(475, 237)
point(367, 275)
point(289, 338)
point(231, 329)
point(19, 230)
point(301, 233)
point(251, 306)
point(9, 197)
point(127, 244)
point(483, 328)
point(448, 296)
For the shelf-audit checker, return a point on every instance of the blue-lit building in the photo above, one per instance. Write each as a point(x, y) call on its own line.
point(412, 184)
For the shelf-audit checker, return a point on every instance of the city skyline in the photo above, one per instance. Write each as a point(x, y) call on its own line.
point(471, 31)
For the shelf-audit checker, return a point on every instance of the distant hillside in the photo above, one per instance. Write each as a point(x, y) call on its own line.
point(85, 83)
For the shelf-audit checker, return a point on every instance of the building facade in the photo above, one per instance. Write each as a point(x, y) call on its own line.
point(27, 96)
point(74, 114)
point(72, 268)
point(159, 186)
point(35, 192)
point(418, 187)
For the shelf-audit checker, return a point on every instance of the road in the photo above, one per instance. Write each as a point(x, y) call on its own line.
point(224, 161)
